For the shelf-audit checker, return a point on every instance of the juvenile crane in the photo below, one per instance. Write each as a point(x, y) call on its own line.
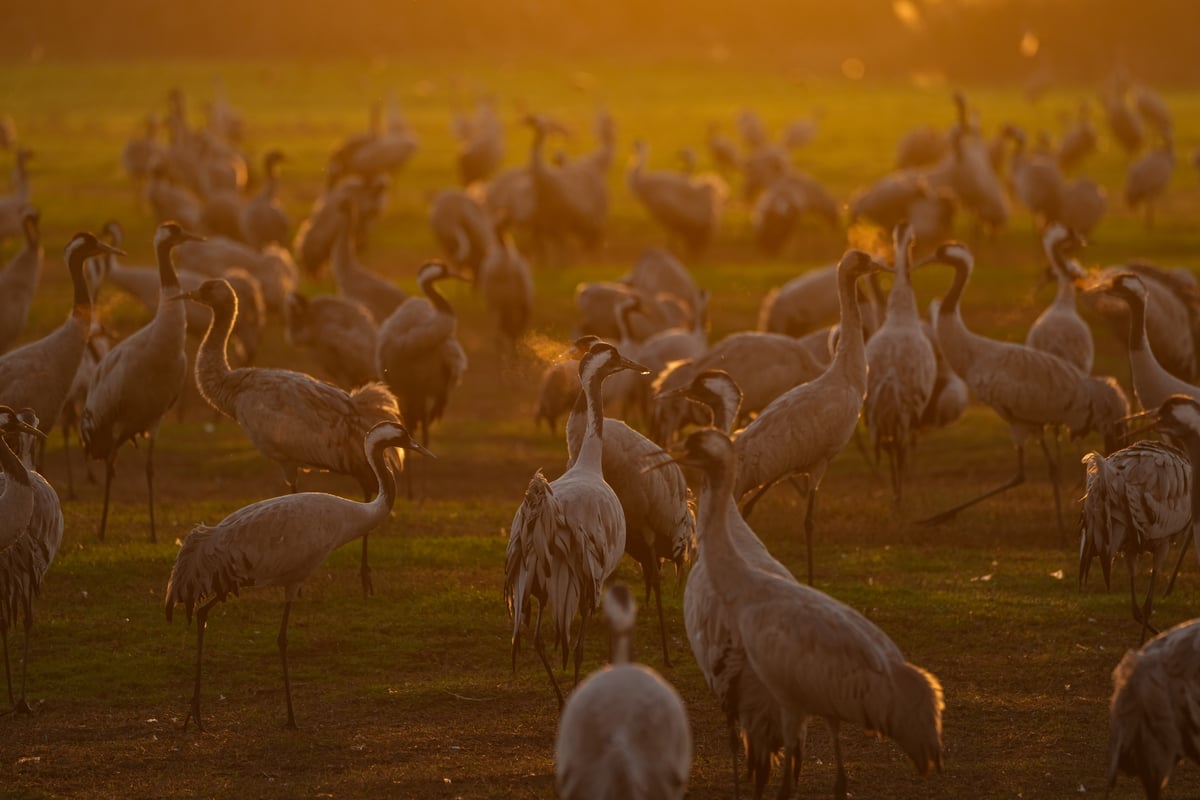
point(140, 379)
point(30, 534)
point(816, 656)
point(568, 536)
point(1028, 388)
point(277, 542)
point(624, 732)
point(802, 430)
point(901, 368)
point(292, 418)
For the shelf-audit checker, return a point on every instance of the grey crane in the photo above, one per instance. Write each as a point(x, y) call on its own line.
point(386, 147)
point(380, 296)
point(292, 418)
point(1147, 178)
point(262, 219)
point(1078, 140)
point(659, 522)
point(38, 375)
point(1036, 179)
point(1059, 329)
point(901, 368)
point(507, 287)
point(1136, 500)
point(1152, 384)
point(816, 656)
point(1154, 689)
point(339, 331)
point(1028, 388)
point(219, 256)
point(169, 202)
point(687, 207)
point(802, 430)
point(19, 282)
point(482, 143)
point(568, 535)
point(140, 379)
point(558, 391)
point(278, 542)
point(463, 228)
point(811, 301)
point(1083, 203)
point(418, 354)
point(624, 732)
point(30, 535)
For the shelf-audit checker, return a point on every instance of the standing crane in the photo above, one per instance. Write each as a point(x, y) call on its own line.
point(1147, 178)
point(1152, 726)
point(292, 418)
point(802, 430)
point(659, 522)
point(1028, 388)
point(278, 542)
point(380, 296)
point(19, 282)
point(901, 368)
point(816, 656)
point(262, 220)
point(1137, 499)
point(140, 379)
point(38, 375)
point(418, 354)
point(568, 535)
point(340, 332)
point(624, 732)
point(1152, 384)
point(1059, 329)
point(31, 527)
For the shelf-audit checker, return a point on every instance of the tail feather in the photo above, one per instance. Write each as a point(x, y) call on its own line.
point(375, 403)
point(202, 570)
point(526, 561)
point(915, 721)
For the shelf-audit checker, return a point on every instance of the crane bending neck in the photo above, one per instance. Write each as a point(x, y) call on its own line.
point(437, 298)
point(167, 277)
point(81, 310)
point(212, 362)
point(962, 273)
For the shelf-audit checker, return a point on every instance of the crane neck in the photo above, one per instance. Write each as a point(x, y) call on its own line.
point(724, 415)
point(591, 449)
point(271, 181)
point(81, 309)
point(624, 328)
point(381, 505)
point(212, 361)
point(29, 226)
point(439, 301)
point(342, 261)
point(717, 511)
point(902, 301)
point(850, 358)
point(622, 648)
point(1137, 322)
point(167, 277)
point(962, 273)
point(537, 155)
point(16, 503)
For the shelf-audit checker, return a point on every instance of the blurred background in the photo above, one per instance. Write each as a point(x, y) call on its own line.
point(1038, 41)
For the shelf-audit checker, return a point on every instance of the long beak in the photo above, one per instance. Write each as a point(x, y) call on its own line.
point(108, 248)
point(25, 427)
point(417, 448)
point(881, 266)
point(657, 461)
point(188, 236)
point(1132, 432)
point(183, 296)
point(625, 363)
point(457, 276)
point(924, 262)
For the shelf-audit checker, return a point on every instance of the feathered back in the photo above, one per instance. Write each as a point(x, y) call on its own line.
point(1101, 534)
point(202, 571)
point(527, 559)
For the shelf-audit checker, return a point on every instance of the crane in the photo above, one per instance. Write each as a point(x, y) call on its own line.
point(19, 281)
point(624, 732)
point(277, 542)
point(816, 656)
point(140, 379)
point(568, 535)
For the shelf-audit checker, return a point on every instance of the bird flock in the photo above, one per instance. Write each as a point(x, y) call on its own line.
point(671, 441)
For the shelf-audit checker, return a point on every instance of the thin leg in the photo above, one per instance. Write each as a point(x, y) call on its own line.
point(583, 618)
point(1148, 607)
point(1052, 470)
point(654, 577)
point(22, 704)
point(1015, 480)
point(287, 683)
point(1187, 539)
point(540, 647)
point(7, 668)
point(150, 480)
point(365, 571)
point(110, 469)
point(839, 784)
point(808, 530)
point(735, 745)
point(201, 624)
point(66, 434)
point(786, 784)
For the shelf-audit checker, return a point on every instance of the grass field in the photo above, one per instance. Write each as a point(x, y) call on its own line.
point(410, 693)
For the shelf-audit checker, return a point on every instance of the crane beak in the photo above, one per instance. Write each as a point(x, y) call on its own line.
point(657, 461)
point(108, 248)
point(880, 266)
point(625, 363)
point(417, 448)
point(188, 236)
point(183, 296)
point(924, 262)
point(24, 427)
point(1133, 431)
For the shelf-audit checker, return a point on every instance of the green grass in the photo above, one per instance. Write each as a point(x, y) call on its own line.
point(410, 693)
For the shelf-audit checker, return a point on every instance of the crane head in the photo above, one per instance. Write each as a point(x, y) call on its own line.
point(392, 434)
point(954, 254)
point(85, 245)
point(214, 293)
point(171, 234)
point(24, 422)
point(603, 360)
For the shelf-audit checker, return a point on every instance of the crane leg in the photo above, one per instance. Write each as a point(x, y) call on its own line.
point(150, 480)
point(110, 469)
point(583, 618)
point(365, 572)
point(1052, 470)
point(540, 647)
point(66, 434)
point(7, 666)
point(654, 583)
point(808, 530)
point(22, 705)
point(287, 682)
point(787, 785)
point(735, 744)
point(839, 783)
point(950, 513)
point(201, 624)
point(1187, 539)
